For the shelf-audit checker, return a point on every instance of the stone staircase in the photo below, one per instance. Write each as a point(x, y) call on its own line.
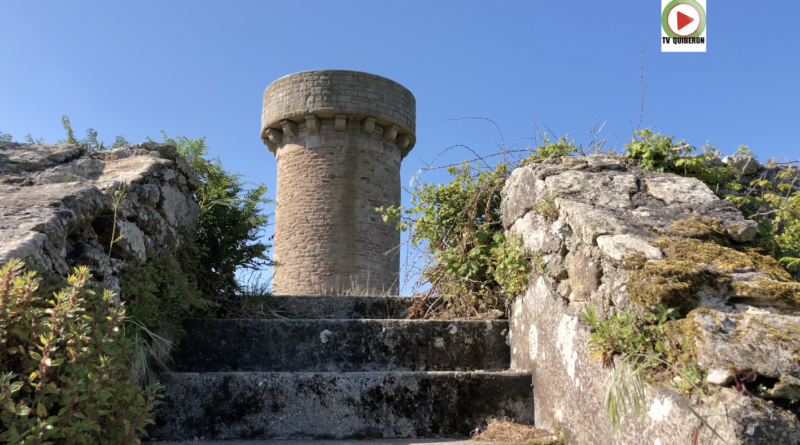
point(340, 368)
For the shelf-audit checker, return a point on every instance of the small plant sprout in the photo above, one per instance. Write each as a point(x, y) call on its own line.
point(118, 195)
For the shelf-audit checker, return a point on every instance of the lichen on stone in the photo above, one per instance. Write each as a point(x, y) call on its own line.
point(784, 338)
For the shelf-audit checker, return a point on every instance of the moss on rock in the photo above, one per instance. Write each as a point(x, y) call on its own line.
point(692, 263)
point(705, 229)
point(767, 265)
point(711, 255)
point(671, 282)
point(781, 294)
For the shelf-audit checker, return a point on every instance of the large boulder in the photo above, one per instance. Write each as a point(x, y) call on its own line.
point(615, 237)
point(57, 205)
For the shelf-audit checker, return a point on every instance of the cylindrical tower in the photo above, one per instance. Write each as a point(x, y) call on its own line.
point(338, 138)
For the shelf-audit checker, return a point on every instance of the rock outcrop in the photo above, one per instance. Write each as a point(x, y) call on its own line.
point(615, 237)
point(57, 205)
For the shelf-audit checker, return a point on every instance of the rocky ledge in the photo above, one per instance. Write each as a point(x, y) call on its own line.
point(57, 205)
point(615, 237)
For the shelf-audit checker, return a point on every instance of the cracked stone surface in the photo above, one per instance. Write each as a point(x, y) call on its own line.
point(56, 205)
point(618, 238)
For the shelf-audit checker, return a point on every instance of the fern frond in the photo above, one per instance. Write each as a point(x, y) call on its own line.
point(196, 300)
point(70, 134)
point(91, 139)
point(792, 264)
point(120, 142)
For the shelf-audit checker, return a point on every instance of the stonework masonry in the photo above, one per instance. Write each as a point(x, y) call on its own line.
point(338, 138)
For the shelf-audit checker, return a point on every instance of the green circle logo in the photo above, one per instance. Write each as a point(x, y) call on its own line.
point(678, 16)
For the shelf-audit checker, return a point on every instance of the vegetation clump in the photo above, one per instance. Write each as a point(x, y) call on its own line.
point(65, 363)
point(703, 229)
point(546, 208)
point(229, 228)
point(506, 431)
point(671, 282)
point(782, 294)
point(657, 347)
point(71, 362)
point(626, 333)
point(474, 266)
point(773, 203)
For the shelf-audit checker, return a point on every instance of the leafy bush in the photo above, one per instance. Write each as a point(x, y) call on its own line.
point(231, 221)
point(776, 207)
point(773, 204)
point(474, 267)
point(65, 364)
point(199, 277)
point(626, 333)
point(229, 227)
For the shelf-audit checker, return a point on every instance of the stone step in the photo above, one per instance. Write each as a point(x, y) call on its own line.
point(343, 307)
point(369, 405)
point(224, 345)
point(328, 442)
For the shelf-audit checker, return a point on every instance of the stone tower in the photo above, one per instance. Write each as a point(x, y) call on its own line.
point(338, 138)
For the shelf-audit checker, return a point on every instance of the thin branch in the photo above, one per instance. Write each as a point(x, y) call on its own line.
point(641, 83)
point(448, 149)
point(503, 143)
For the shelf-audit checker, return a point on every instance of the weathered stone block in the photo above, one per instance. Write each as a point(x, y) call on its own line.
point(344, 345)
point(59, 213)
point(337, 405)
point(629, 239)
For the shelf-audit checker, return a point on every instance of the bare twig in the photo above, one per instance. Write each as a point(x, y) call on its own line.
point(641, 84)
point(502, 140)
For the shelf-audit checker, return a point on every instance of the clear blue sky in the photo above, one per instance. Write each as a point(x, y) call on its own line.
point(199, 68)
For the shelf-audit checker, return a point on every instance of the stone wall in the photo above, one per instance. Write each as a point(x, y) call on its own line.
point(618, 237)
point(57, 205)
point(338, 138)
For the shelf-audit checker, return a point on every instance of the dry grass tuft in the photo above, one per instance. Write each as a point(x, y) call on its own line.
point(508, 432)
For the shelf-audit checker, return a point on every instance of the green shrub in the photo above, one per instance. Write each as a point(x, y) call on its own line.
point(473, 267)
point(625, 333)
point(65, 364)
point(229, 227)
point(774, 205)
point(199, 278)
point(159, 295)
